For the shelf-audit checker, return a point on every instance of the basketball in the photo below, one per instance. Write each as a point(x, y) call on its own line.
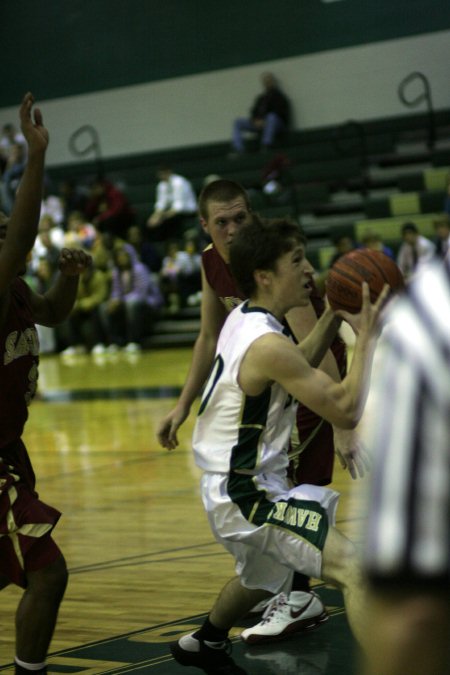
point(344, 281)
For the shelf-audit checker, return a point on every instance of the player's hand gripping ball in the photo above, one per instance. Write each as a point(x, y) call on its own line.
point(344, 281)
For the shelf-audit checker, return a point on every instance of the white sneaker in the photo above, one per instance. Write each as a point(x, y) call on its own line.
point(285, 615)
point(261, 607)
point(70, 351)
point(132, 348)
point(77, 350)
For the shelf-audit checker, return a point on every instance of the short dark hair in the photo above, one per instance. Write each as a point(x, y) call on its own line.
point(221, 191)
point(410, 227)
point(258, 244)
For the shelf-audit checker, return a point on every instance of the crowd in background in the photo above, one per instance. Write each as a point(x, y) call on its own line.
point(135, 276)
point(142, 270)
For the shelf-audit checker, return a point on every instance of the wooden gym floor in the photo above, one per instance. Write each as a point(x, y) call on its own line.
point(143, 565)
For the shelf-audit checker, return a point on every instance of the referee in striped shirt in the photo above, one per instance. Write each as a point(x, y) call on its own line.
point(407, 545)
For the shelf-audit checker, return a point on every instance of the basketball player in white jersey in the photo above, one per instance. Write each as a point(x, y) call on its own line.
point(241, 438)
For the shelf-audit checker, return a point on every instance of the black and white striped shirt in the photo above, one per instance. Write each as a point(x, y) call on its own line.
point(408, 433)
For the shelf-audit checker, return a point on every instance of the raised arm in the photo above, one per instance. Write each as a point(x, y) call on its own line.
point(22, 226)
point(319, 337)
point(274, 358)
point(55, 305)
point(313, 336)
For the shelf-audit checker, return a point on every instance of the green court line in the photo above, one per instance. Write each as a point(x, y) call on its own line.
point(110, 393)
point(328, 649)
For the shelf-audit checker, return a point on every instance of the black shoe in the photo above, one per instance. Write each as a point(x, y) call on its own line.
point(212, 661)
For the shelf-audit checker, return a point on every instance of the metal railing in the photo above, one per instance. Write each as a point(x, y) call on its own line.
point(85, 141)
point(424, 94)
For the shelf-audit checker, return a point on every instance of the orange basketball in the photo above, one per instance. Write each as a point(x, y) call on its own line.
point(345, 278)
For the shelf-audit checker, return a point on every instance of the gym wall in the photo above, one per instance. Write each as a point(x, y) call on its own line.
point(154, 74)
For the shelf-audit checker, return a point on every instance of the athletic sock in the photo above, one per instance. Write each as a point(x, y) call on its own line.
point(300, 582)
point(210, 634)
point(23, 668)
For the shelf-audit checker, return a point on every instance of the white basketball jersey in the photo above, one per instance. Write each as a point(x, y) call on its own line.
point(249, 434)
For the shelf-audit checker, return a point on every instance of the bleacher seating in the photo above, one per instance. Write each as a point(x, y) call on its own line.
point(348, 178)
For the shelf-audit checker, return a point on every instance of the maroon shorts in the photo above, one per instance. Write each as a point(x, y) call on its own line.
point(25, 521)
point(314, 464)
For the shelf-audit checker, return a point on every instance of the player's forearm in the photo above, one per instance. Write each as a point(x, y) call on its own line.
point(24, 219)
point(357, 379)
point(318, 341)
point(329, 366)
point(60, 299)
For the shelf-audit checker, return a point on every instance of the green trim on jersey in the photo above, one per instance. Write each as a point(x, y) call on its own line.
point(303, 518)
point(244, 455)
point(252, 501)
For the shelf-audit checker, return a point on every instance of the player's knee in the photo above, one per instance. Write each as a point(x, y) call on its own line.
point(50, 581)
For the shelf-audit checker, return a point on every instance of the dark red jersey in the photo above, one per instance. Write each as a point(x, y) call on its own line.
point(218, 275)
point(19, 363)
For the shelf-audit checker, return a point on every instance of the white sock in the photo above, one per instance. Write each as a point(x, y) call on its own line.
point(30, 666)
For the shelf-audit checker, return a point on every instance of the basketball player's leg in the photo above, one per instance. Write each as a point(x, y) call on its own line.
point(341, 568)
point(233, 602)
point(208, 647)
point(38, 608)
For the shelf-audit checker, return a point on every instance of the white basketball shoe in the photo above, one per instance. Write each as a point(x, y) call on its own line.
point(298, 611)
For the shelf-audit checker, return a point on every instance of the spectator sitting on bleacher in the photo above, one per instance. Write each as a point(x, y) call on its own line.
point(41, 276)
point(343, 244)
point(180, 276)
point(269, 115)
point(415, 251)
point(175, 204)
point(374, 241)
point(442, 229)
point(84, 327)
point(108, 208)
point(134, 300)
point(48, 243)
point(145, 250)
point(79, 232)
point(52, 205)
point(103, 249)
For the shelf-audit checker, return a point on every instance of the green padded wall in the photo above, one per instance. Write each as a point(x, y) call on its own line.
point(60, 48)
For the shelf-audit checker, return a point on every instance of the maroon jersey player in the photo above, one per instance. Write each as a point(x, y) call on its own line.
point(224, 207)
point(29, 557)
